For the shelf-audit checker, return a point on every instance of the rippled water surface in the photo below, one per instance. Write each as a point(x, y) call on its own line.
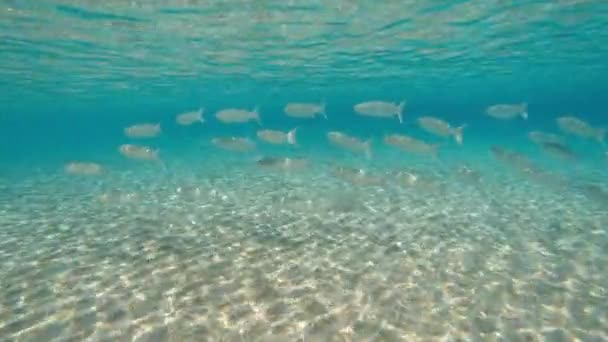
point(501, 238)
point(91, 50)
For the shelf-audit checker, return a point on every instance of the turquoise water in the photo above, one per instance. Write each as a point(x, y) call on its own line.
point(494, 239)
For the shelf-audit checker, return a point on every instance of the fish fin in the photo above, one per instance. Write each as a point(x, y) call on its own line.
point(255, 113)
point(201, 110)
point(291, 136)
point(322, 111)
point(368, 149)
point(159, 160)
point(601, 136)
point(163, 165)
point(435, 151)
point(458, 133)
point(400, 109)
point(524, 112)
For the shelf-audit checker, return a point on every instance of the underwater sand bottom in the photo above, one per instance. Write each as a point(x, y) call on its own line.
point(276, 259)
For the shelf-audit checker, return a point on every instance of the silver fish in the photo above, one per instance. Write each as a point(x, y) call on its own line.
point(539, 137)
point(350, 143)
point(356, 176)
point(234, 144)
point(558, 150)
point(578, 127)
point(144, 130)
point(83, 168)
point(284, 164)
point(441, 128)
point(139, 152)
point(189, 118)
point(381, 109)
point(235, 115)
point(410, 144)
point(508, 111)
point(278, 137)
point(304, 110)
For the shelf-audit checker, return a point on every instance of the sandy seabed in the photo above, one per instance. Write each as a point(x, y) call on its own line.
point(308, 256)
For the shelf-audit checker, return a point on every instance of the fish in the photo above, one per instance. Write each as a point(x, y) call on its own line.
point(139, 152)
point(594, 192)
point(236, 144)
point(83, 168)
point(408, 178)
point(356, 176)
point(235, 115)
point(578, 127)
point(558, 150)
point(189, 118)
point(350, 143)
point(515, 159)
point(304, 110)
point(283, 163)
point(381, 109)
point(508, 111)
point(409, 144)
point(411, 179)
point(144, 130)
point(469, 173)
point(539, 137)
point(441, 128)
point(278, 137)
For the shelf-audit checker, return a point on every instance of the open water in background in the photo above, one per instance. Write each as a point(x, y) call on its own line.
point(468, 245)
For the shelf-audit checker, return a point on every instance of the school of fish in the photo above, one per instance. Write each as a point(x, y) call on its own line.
point(550, 143)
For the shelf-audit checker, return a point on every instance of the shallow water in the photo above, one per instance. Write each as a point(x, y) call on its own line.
point(494, 239)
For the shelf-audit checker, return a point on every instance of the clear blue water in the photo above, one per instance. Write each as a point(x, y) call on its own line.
point(90, 258)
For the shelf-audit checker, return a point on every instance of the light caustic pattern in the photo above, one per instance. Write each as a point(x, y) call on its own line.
point(94, 49)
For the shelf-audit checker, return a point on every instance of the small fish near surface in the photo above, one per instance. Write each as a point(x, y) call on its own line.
point(508, 111)
point(237, 115)
point(575, 126)
point(278, 137)
point(282, 163)
point(558, 150)
point(236, 144)
point(83, 168)
point(412, 145)
point(381, 109)
point(350, 143)
point(142, 131)
point(303, 110)
point(190, 118)
point(441, 128)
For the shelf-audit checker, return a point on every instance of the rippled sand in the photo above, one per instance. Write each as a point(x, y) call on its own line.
point(262, 256)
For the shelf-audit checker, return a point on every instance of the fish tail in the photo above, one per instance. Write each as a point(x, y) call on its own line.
point(255, 113)
point(291, 136)
point(435, 151)
point(368, 149)
point(601, 136)
point(160, 161)
point(458, 134)
point(524, 111)
point(157, 126)
point(400, 108)
point(201, 110)
point(163, 165)
point(322, 109)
